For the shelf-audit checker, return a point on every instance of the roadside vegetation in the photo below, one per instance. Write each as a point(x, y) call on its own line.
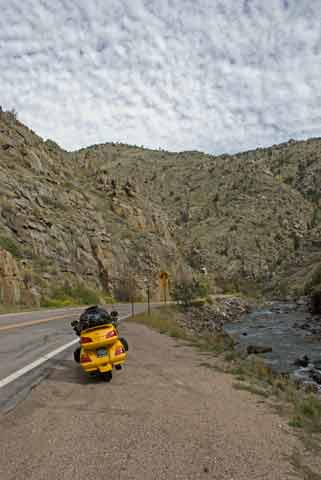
point(189, 288)
point(74, 296)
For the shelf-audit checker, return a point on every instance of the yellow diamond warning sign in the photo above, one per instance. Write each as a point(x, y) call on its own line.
point(164, 284)
point(163, 276)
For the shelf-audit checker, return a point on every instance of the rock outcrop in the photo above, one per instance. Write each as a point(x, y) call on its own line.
point(10, 279)
point(15, 284)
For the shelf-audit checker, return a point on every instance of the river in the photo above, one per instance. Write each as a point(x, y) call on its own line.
point(290, 331)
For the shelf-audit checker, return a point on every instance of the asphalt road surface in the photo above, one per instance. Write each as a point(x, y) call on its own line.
point(26, 339)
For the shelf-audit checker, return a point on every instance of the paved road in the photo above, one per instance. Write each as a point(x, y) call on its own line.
point(165, 416)
point(27, 337)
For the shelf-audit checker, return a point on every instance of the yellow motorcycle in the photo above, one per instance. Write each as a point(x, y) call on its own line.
point(101, 349)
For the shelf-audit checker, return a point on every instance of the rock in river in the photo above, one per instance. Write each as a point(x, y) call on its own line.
point(316, 376)
point(258, 349)
point(302, 361)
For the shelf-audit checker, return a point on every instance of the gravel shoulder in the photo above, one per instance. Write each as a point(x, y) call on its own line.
point(163, 417)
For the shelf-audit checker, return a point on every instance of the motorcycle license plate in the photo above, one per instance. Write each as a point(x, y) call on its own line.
point(101, 352)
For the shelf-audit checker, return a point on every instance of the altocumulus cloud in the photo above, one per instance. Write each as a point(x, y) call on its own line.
point(212, 75)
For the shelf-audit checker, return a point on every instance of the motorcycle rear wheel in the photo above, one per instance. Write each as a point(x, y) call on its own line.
point(77, 355)
point(106, 376)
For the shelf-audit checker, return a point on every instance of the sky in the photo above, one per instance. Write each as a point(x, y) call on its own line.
point(219, 76)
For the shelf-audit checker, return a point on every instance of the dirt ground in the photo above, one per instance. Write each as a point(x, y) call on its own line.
point(163, 417)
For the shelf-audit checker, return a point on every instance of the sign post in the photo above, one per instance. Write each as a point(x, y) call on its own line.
point(132, 293)
point(146, 281)
point(163, 276)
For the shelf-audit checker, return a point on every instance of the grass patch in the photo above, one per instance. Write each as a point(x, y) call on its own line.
point(303, 409)
point(231, 356)
point(215, 344)
point(254, 369)
point(307, 413)
point(251, 388)
point(163, 321)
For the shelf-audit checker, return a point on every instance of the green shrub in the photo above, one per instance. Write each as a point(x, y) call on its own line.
point(314, 280)
point(40, 264)
point(231, 356)
point(316, 217)
point(56, 303)
point(108, 299)
point(310, 407)
point(85, 295)
point(307, 413)
point(187, 290)
point(11, 246)
point(71, 295)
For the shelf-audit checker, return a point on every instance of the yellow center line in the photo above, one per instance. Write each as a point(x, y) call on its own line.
point(33, 322)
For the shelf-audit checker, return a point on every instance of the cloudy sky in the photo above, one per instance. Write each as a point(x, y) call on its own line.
point(211, 75)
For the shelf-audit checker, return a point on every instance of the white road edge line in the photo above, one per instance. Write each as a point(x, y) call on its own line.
point(14, 376)
point(36, 363)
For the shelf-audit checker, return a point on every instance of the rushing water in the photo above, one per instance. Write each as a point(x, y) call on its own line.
point(286, 328)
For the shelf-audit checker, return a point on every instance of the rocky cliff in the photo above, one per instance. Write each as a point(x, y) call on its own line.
point(16, 283)
point(92, 216)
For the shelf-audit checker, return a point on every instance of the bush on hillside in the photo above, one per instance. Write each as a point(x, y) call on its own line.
point(187, 289)
point(68, 296)
point(11, 246)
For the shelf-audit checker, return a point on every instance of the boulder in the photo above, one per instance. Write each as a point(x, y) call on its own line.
point(316, 376)
point(256, 349)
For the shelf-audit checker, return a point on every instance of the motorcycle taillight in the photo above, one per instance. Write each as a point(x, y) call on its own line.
point(85, 340)
point(85, 358)
point(111, 334)
point(119, 351)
